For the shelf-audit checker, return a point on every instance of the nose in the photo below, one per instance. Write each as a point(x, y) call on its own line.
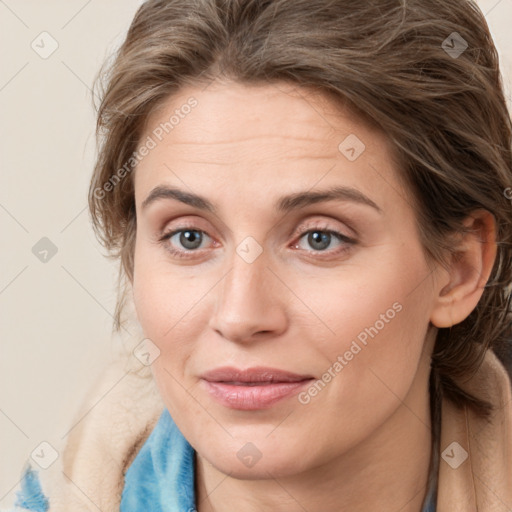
point(249, 304)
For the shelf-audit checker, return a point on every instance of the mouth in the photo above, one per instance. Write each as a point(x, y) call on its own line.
point(253, 388)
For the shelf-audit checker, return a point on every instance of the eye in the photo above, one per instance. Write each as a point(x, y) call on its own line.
point(184, 241)
point(320, 239)
point(181, 241)
point(190, 239)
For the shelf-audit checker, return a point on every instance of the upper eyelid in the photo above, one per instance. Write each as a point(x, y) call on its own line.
point(322, 223)
point(347, 244)
point(297, 234)
point(297, 231)
point(325, 227)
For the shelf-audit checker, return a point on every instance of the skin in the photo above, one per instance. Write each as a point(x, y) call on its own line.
point(294, 308)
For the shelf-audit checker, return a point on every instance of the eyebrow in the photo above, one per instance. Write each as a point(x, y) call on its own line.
point(284, 204)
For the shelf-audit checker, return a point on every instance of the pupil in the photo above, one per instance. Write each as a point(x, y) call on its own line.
point(190, 239)
point(317, 237)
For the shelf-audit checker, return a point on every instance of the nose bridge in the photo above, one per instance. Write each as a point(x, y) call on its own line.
point(244, 288)
point(246, 302)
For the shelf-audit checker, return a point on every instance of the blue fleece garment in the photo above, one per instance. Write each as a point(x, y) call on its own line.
point(161, 477)
point(31, 496)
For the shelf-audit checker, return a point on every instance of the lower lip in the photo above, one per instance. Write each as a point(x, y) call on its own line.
point(250, 398)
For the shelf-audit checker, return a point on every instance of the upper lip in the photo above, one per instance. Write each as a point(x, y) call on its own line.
point(255, 374)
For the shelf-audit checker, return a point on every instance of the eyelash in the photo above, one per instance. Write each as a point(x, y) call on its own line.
point(347, 241)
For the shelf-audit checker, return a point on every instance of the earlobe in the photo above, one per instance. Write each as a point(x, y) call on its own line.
point(470, 268)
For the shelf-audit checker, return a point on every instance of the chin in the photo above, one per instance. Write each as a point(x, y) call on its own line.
point(259, 459)
point(261, 470)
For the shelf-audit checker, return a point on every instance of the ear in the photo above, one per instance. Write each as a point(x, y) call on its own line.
point(471, 265)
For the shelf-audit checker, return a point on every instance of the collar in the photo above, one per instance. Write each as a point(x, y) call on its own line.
point(120, 414)
point(471, 466)
point(475, 470)
point(162, 473)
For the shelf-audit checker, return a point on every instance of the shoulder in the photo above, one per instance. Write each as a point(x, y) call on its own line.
point(476, 453)
point(123, 405)
point(30, 496)
point(117, 415)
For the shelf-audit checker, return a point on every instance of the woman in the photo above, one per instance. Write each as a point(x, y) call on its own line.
point(309, 203)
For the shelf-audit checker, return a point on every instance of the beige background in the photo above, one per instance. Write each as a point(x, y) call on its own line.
point(56, 316)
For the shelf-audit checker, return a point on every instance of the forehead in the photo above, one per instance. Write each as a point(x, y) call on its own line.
point(226, 112)
point(278, 132)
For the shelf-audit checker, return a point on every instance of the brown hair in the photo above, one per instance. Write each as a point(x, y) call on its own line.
point(394, 61)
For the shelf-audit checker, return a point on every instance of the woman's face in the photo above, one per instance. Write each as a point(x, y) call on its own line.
point(273, 234)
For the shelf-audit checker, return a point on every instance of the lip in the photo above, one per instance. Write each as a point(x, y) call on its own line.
point(252, 388)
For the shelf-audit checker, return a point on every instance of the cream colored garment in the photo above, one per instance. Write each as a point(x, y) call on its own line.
point(117, 416)
point(122, 409)
point(483, 482)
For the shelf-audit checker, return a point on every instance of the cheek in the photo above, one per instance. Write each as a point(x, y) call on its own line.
point(374, 320)
point(170, 306)
point(368, 301)
point(367, 367)
point(151, 303)
point(164, 307)
point(161, 297)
